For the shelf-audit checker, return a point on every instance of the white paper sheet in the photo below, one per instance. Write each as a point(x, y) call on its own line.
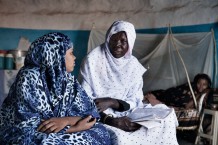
point(142, 114)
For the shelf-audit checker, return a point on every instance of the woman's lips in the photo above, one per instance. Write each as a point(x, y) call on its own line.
point(117, 52)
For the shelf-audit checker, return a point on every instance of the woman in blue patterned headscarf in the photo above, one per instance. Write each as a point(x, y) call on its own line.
point(46, 104)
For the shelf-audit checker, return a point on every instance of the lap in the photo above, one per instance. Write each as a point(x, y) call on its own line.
point(162, 135)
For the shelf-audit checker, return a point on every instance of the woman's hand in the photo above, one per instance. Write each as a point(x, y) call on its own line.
point(105, 103)
point(81, 125)
point(152, 99)
point(54, 125)
point(206, 91)
point(125, 124)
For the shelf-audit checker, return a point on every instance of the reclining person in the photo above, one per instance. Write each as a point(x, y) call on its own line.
point(180, 97)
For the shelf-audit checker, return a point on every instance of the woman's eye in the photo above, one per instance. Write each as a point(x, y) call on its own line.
point(124, 41)
point(113, 41)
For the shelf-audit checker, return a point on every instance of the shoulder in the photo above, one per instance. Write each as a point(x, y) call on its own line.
point(138, 66)
point(135, 60)
point(93, 56)
point(28, 76)
point(96, 52)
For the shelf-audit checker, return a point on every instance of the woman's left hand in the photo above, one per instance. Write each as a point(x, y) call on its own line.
point(53, 125)
point(83, 124)
point(125, 124)
point(105, 103)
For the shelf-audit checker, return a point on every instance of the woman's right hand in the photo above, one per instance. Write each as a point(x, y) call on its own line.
point(125, 124)
point(206, 91)
point(82, 124)
point(105, 103)
point(56, 124)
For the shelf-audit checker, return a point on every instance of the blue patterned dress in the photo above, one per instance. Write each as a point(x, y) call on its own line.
point(42, 90)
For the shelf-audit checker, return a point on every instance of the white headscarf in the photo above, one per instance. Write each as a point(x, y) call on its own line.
point(106, 76)
point(127, 27)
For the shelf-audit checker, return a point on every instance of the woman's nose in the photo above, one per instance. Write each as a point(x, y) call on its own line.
point(118, 43)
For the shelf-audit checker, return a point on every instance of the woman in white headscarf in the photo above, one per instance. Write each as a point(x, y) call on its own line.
point(112, 76)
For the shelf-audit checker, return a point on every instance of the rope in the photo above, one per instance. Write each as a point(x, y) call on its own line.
point(214, 40)
point(194, 98)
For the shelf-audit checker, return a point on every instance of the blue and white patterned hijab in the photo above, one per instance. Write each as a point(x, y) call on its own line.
point(48, 53)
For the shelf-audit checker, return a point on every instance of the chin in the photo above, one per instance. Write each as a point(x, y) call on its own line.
point(117, 56)
point(70, 70)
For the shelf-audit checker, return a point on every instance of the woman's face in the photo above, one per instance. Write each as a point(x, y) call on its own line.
point(202, 84)
point(70, 60)
point(118, 44)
